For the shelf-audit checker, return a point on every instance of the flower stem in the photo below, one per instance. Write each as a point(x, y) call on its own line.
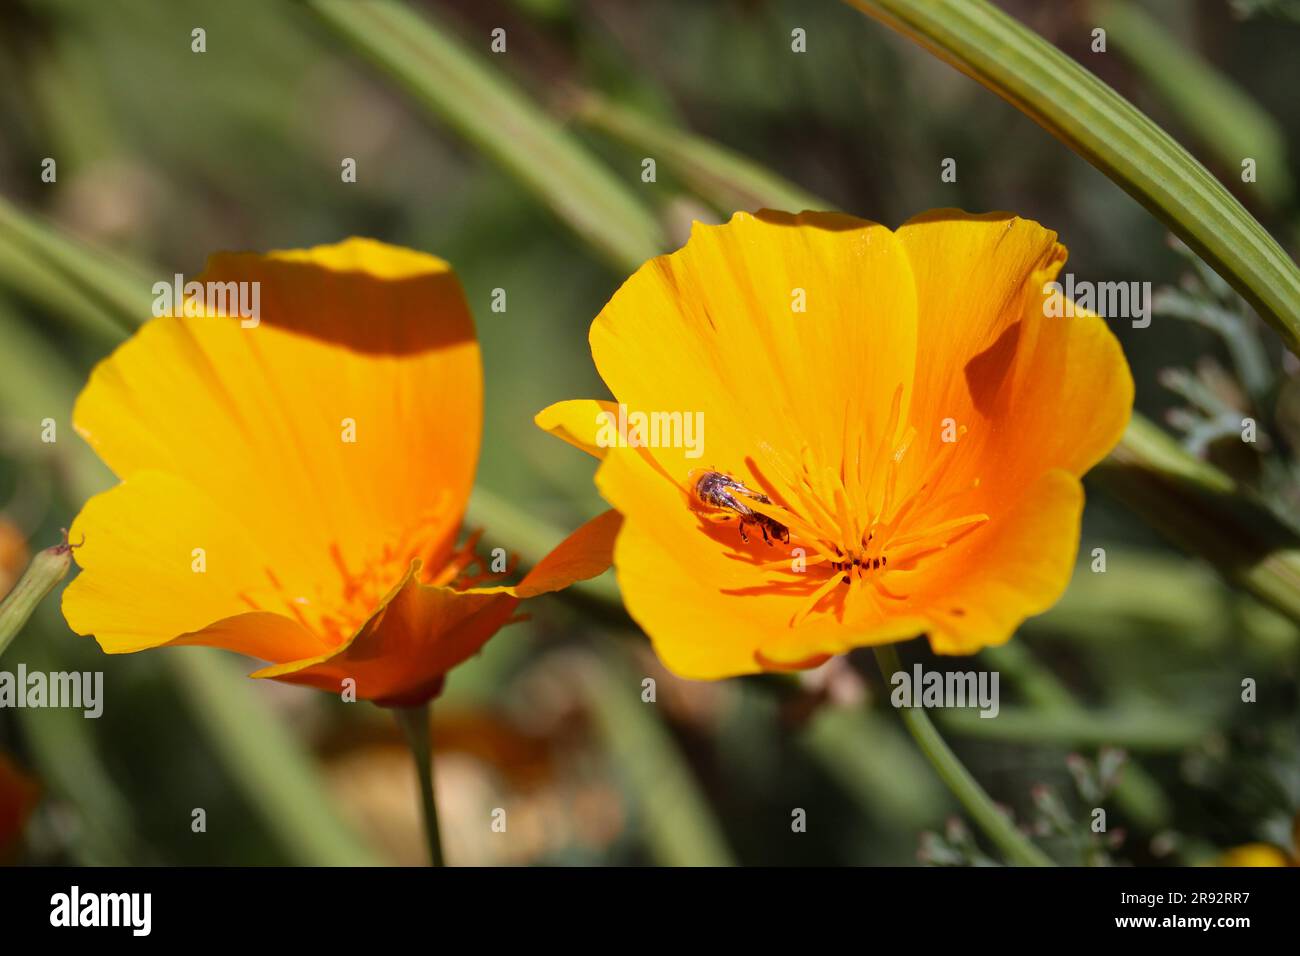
point(965, 788)
point(414, 722)
point(47, 569)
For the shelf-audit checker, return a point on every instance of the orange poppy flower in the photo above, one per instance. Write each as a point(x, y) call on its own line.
point(13, 554)
point(293, 486)
point(895, 434)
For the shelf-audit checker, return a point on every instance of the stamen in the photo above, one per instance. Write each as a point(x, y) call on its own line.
point(829, 585)
point(860, 514)
point(941, 530)
point(334, 613)
point(895, 460)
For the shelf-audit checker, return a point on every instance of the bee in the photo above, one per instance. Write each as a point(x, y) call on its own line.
point(713, 489)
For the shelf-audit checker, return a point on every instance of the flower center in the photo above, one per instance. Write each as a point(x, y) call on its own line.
point(855, 520)
point(335, 612)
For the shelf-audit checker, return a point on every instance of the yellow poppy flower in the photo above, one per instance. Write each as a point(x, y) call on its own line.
point(892, 432)
point(293, 483)
point(1264, 854)
point(1255, 854)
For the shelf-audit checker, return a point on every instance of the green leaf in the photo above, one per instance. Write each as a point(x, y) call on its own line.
point(456, 86)
point(681, 828)
point(1108, 131)
point(875, 764)
point(1201, 509)
point(270, 765)
point(726, 180)
point(33, 277)
point(69, 758)
point(1218, 112)
point(103, 292)
point(36, 383)
point(1150, 729)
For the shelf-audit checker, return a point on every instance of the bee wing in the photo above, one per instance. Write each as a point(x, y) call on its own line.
point(750, 493)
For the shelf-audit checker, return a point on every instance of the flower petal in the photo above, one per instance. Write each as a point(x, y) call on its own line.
point(1040, 398)
point(985, 585)
point(1068, 397)
point(356, 336)
point(584, 554)
point(972, 279)
point(716, 328)
point(404, 651)
point(143, 584)
point(577, 422)
point(1032, 391)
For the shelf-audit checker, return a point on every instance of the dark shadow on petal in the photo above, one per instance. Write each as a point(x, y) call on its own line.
point(987, 372)
point(353, 307)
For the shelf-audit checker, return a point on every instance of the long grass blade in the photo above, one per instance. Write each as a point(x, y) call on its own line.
point(1214, 109)
point(457, 87)
point(1108, 131)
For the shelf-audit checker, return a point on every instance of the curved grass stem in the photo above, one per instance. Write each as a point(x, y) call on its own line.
point(1092, 119)
point(995, 824)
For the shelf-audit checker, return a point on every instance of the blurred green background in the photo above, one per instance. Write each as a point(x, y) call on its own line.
point(165, 155)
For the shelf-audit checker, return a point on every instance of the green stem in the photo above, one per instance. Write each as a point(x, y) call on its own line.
point(964, 787)
point(47, 569)
point(414, 722)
